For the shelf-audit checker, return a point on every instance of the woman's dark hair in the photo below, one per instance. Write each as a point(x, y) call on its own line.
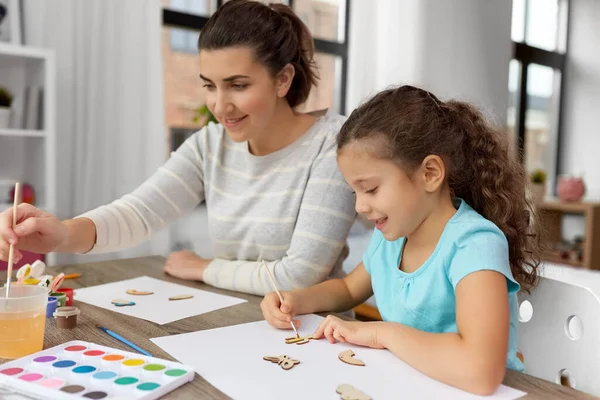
point(481, 166)
point(275, 33)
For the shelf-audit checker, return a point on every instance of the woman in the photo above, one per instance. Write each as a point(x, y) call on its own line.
point(268, 174)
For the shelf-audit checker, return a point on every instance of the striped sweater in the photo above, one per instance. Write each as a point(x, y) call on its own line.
point(291, 208)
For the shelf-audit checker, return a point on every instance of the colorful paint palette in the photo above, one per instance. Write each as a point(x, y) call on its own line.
point(86, 370)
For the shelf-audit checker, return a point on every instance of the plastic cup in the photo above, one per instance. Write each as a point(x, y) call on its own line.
point(22, 320)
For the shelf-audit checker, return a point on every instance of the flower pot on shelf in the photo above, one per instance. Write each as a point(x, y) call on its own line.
point(570, 189)
point(538, 192)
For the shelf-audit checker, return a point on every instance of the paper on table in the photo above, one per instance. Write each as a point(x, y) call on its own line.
point(231, 359)
point(155, 307)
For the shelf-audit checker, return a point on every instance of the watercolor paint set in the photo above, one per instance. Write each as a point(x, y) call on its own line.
point(79, 369)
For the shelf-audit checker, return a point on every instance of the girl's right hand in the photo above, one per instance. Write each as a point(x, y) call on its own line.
point(36, 231)
point(277, 314)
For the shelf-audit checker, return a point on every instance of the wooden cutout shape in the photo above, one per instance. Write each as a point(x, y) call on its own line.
point(138, 292)
point(349, 392)
point(285, 361)
point(181, 297)
point(348, 357)
point(122, 303)
point(298, 340)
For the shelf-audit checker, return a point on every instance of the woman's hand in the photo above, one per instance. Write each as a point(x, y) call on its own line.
point(36, 231)
point(277, 314)
point(355, 332)
point(186, 265)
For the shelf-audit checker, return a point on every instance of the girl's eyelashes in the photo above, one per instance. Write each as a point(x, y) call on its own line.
point(371, 191)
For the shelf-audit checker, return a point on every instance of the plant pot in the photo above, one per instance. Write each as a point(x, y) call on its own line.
point(538, 192)
point(4, 117)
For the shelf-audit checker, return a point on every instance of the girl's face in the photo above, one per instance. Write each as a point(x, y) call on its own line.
point(385, 194)
point(240, 92)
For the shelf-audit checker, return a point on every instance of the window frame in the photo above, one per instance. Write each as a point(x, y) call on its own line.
point(526, 54)
point(178, 19)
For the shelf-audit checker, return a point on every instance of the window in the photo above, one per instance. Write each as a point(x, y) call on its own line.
point(539, 34)
point(182, 22)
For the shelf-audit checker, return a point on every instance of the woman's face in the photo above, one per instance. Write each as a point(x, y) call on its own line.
point(240, 91)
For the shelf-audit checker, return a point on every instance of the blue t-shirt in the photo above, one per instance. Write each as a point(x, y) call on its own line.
point(425, 299)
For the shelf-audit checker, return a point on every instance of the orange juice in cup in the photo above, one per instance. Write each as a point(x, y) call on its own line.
point(22, 320)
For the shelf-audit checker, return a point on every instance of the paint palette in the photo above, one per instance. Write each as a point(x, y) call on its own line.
point(86, 370)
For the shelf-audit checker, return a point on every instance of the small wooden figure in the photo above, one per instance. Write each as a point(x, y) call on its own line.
point(122, 303)
point(349, 392)
point(285, 361)
point(181, 297)
point(298, 340)
point(138, 292)
point(348, 357)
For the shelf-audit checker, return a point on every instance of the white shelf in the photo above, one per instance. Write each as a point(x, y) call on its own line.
point(24, 52)
point(22, 132)
point(28, 154)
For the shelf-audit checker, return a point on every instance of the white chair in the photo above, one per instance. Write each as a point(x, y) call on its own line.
point(560, 342)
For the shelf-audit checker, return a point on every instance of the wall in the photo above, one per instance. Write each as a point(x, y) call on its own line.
point(581, 141)
point(580, 134)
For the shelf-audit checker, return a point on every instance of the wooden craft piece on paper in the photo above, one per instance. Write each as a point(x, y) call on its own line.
point(122, 303)
point(285, 361)
point(181, 297)
point(138, 292)
point(349, 392)
point(298, 340)
point(348, 357)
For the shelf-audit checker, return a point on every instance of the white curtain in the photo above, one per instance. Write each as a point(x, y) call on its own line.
point(110, 124)
point(455, 48)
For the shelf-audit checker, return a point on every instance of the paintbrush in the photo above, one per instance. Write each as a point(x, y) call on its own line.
point(278, 294)
point(11, 249)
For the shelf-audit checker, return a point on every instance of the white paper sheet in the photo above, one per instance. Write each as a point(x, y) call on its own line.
point(155, 307)
point(231, 359)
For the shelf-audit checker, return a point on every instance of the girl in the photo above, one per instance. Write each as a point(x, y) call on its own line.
point(267, 173)
point(453, 242)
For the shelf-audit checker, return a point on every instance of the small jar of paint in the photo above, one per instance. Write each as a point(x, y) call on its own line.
point(51, 307)
point(66, 317)
point(69, 293)
point(61, 297)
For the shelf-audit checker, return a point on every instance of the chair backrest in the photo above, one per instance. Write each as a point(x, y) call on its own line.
point(561, 340)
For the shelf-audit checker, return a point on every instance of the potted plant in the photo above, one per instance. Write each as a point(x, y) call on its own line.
point(538, 185)
point(6, 99)
point(203, 115)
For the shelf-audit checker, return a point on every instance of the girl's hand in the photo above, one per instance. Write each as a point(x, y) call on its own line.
point(186, 265)
point(355, 332)
point(277, 314)
point(36, 231)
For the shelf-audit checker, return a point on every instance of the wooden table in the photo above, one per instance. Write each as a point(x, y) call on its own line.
point(141, 331)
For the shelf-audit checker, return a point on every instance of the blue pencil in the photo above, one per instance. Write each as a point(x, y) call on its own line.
point(123, 340)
